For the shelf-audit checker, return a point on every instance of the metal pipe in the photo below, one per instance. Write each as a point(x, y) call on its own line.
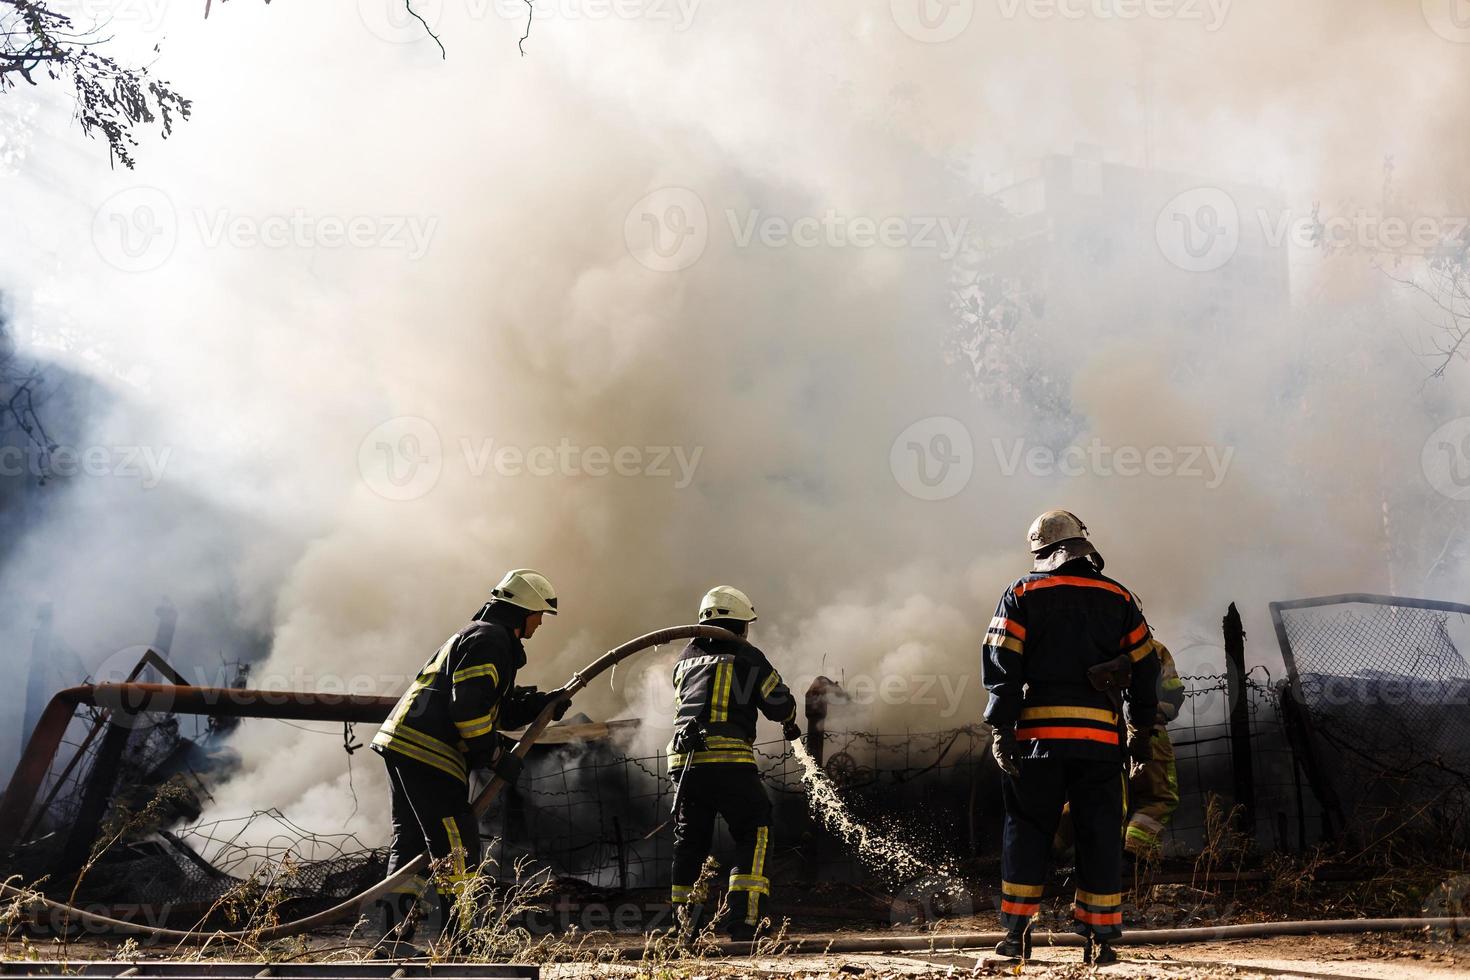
point(133, 697)
point(348, 703)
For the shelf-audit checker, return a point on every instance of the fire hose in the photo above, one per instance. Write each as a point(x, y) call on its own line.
point(354, 905)
point(971, 941)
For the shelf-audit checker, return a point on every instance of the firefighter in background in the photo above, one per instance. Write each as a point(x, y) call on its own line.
point(449, 722)
point(1153, 788)
point(1067, 647)
point(719, 686)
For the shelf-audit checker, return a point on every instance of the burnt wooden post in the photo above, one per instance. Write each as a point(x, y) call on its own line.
point(622, 852)
point(817, 695)
point(1240, 718)
point(822, 691)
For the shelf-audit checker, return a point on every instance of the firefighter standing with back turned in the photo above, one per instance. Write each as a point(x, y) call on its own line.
point(1067, 647)
point(449, 722)
point(719, 686)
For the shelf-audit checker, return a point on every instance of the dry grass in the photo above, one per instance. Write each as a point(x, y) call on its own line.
point(1226, 848)
point(494, 912)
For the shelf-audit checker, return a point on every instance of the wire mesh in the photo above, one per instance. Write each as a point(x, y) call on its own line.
point(1385, 686)
point(599, 811)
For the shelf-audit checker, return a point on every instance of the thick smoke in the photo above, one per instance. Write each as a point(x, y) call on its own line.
point(758, 391)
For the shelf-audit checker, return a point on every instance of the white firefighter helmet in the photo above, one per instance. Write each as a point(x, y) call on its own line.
point(1057, 537)
point(527, 589)
point(726, 602)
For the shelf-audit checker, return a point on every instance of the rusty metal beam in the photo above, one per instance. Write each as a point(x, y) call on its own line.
point(131, 698)
point(150, 658)
point(236, 702)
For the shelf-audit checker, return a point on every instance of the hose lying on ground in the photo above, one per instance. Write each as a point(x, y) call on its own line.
point(357, 904)
point(972, 941)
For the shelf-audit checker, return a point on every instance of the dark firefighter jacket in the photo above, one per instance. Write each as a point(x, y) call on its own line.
point(1048, 630)
point(464, 695)
point(719, 686)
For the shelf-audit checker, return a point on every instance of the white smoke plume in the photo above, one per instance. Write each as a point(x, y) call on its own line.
point(490, 301)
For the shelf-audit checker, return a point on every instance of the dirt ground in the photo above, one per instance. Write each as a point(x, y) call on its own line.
point(1310, 958)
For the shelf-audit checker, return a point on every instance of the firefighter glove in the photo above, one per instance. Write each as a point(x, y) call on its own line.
point(1003, 747)
point(508, 766)
point(537, 701)
point(1140, 745)
point(791, 731)
point(562, 700)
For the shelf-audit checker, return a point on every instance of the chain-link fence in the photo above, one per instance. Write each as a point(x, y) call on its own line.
point(599, 814)
point(1382, 735)
point(1365, 733)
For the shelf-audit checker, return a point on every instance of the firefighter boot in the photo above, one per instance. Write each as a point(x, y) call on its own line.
point(1098, 953)
point(1017, 943)
point(742, 932)
point(689, 920)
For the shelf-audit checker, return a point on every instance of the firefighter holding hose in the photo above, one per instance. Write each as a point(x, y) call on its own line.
point(448, 723)
point(720, 685)
point(1067, 648)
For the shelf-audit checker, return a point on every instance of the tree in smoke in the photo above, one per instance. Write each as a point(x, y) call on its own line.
point(37, 42)
point(1445, 283)
point(21, 400)
point(997, 304)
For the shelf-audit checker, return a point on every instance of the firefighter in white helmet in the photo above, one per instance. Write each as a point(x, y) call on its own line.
point(720, 686)
point(1067, 647)
point(449, 722)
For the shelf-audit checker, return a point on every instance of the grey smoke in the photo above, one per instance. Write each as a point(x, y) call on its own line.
point(271, 369)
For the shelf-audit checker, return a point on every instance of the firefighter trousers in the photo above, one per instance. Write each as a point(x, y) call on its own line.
point(1153, 795)
point(430, 811)
point(733, 791)
point(1033, 805)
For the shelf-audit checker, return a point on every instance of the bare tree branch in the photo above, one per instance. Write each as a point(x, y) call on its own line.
point(19, 385)
point(38, 42)
point(1445, 285)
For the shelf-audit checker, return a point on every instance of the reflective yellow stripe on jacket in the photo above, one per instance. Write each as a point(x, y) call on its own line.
point(397, 735)
point(422, 748)
point(717, 749)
